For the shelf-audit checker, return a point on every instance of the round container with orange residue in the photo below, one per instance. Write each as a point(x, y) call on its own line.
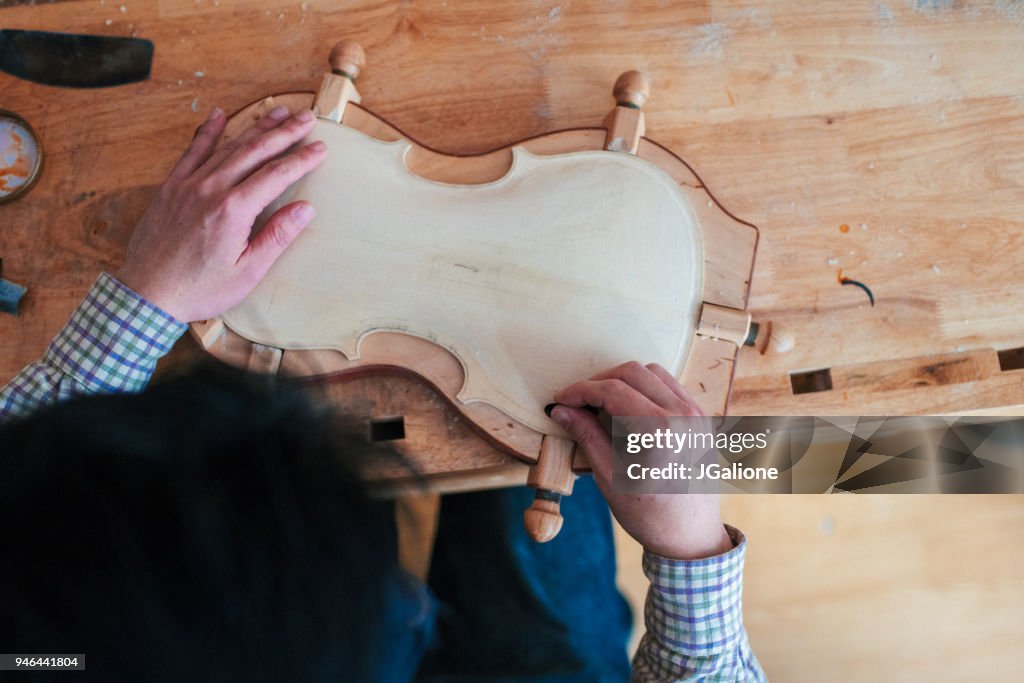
point(21, 157)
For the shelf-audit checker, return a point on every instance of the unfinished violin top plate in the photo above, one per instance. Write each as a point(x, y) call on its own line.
point(566, 265)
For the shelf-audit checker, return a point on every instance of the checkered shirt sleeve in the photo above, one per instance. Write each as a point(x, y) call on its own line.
point(694, 619)
point(111, 344)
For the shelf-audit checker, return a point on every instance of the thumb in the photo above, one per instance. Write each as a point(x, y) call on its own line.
point(279, 232)
point(587, 431)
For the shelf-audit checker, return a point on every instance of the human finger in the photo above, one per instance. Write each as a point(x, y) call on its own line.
point(202, 145)
point(250, 155)
point(644, 381)
point(588, 433)
point(676, 387)
point(274, 177)
point(613, 395)
point(276, 235)
point(269, 121)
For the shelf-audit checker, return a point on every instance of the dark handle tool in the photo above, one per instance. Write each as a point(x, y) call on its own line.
point(73, 60)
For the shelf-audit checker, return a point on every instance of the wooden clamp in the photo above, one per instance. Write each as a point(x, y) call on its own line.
point(552, 477)
point(733, 325)
point(625, 123)
point(721, 322)
point(338, 86)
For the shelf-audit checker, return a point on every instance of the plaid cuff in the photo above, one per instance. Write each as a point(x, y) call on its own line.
point(694, 619)
point(113, 340)
point(695, 605)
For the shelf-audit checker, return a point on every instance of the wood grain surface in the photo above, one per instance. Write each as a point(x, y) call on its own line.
point(903, 121)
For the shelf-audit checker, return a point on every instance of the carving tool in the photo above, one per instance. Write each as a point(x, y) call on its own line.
point(74, 60)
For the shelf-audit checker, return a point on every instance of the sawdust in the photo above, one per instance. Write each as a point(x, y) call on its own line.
point(751, 16)
point(883, 14)
point(932, 5)
point(781, 343)
point(711, 42)
point(1012, 10)
point(537, 43)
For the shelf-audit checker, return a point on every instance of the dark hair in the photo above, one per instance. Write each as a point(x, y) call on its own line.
point(212, 528)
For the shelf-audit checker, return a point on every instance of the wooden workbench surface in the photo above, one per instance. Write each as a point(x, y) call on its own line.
point(902, 120)
point(904, 123)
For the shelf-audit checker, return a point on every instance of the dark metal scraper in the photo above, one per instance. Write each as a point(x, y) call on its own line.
point(73, 60)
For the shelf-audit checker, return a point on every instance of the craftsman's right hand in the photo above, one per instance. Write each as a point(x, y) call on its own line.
point(192, 253)
point(684, 526)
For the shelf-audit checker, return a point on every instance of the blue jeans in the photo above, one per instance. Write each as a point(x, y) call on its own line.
point(510, 610)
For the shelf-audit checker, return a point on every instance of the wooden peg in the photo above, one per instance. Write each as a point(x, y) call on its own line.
point(206, 332)
point(347, 59)
point(264, 360)
point(338, 87)
point(625, 123)
point(553, 478)
point(631, 90)
point(721, 322)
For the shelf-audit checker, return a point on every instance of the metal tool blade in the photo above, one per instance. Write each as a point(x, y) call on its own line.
point(74, 60)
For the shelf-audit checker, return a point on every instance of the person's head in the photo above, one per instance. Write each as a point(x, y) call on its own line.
point(211, 528)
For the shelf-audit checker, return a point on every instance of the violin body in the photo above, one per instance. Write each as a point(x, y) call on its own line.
point(499, 278)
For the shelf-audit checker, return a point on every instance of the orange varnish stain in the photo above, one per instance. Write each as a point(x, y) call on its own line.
point(19, 169)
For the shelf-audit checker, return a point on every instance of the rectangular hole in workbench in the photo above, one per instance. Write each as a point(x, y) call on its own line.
point(387, 429)
point(811, 381)
point(1011, 359)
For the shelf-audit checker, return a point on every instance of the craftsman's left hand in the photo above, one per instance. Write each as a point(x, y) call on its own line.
point(192, 254)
